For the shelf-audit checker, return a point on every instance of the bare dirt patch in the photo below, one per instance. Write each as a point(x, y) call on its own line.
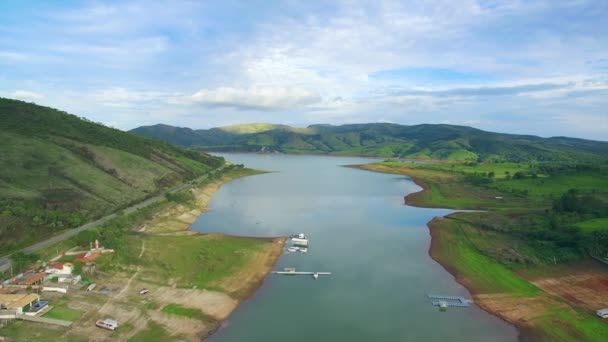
point(215, 304)
point(584, 284)
point(519, 310)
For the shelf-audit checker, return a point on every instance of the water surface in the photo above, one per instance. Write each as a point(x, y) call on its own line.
point(359, 229)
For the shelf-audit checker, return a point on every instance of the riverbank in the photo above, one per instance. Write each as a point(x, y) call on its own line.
point(538, 307)
point(194, 280)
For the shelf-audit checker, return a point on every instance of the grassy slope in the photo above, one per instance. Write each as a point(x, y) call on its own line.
point(445, 142)
point(59, 171)
point(63, 313)
point(486, 260)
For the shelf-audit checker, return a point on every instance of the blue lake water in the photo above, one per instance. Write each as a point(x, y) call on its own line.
point(359, 229)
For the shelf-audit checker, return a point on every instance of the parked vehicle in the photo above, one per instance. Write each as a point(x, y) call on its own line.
point(108, 323)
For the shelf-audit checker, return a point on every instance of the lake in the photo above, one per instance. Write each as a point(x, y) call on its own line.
point(360, 230)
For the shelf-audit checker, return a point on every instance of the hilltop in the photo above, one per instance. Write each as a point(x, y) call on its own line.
point(60, 171)
point(426, 141)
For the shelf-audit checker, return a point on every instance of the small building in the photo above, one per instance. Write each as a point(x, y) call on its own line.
point(18, 302)
point(602, 313)
point(88, 256)
point(31, 279)
point(59, 268)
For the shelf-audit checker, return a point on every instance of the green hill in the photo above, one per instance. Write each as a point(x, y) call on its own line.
point(60, 171)
point(446, 142)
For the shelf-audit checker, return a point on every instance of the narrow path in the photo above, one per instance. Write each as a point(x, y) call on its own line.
point(143, 249)
point(127, 286)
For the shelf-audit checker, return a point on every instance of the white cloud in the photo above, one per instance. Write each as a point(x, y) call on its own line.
point(26, 95)
point(271, 98)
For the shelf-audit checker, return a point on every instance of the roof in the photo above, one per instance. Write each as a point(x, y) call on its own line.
point(14, 301)
point(88, 256)
point(31, 278)
point(58, 265)
point(603, 311)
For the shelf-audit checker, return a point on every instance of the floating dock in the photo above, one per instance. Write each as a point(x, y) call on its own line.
point(300, 273)
point(453, 301)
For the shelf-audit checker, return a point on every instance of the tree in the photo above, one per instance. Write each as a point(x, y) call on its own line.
point(519, 175)
point(20, 261)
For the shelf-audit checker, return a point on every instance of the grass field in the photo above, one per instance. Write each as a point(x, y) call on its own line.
point(60, 311)
point(447, 190)
point(25, 331)
point(153, 333)
point(554, 186)
point(594, 224)
point(179, 310)
point(194, 261)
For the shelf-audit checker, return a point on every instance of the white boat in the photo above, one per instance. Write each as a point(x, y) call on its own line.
point(299, 242)
point(315, 275)
point(303, 250)
point(293, 249)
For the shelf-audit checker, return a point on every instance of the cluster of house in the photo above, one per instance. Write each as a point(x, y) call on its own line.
point(15, 298)
point(15, 301)
point(45, 280)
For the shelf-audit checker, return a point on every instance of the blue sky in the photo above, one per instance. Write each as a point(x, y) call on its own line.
point(529, 67)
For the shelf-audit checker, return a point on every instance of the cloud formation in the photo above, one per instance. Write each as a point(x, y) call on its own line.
point(269, 98)
point(26, 95)
point(516, 66)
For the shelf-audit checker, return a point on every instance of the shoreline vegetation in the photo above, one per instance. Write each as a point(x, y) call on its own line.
point(552, 300)
point(194, 280)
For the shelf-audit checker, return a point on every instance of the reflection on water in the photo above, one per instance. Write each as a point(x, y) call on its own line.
point(376, 248)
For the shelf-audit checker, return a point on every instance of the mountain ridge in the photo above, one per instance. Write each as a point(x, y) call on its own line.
point(424, 141)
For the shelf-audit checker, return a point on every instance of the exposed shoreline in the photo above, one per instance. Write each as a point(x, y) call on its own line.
point(239, 285)
point(525, 333)
point(247, 284)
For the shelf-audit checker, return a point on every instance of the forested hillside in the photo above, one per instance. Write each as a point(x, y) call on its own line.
point(447, 142)
point(59, 171)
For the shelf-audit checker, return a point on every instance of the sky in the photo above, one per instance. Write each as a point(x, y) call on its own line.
point(525, 67)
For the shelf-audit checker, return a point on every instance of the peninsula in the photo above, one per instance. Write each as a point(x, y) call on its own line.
point(536, 254)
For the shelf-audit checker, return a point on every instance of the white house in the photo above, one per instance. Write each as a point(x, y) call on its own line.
point(59, 268)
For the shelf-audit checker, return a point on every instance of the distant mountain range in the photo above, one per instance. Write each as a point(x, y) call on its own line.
point(59, 171)
point(447, 142)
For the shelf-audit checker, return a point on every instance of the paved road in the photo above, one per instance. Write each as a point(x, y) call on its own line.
point(5, 261)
